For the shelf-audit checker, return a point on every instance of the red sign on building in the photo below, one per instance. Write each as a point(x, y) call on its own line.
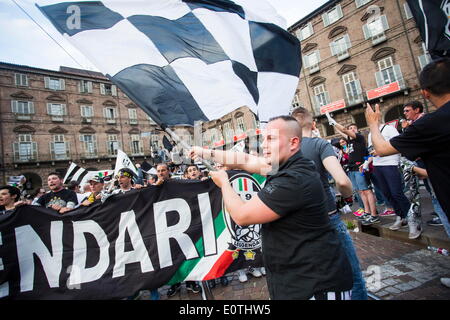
point(384, 90)
point(337, 105)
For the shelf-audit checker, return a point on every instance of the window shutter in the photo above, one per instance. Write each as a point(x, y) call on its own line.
point(16, 148)
point(298, 33)
point(94, 142)
point(358, 87)
point(102, 89)
point(115, 113)
point(310, 27)
point(67, 144)
point(367, 32)
point(89, 86)
point(141, 147)
point(348, 43)
point(17, 79)
point(47, 82)
point(14, 106)
point(339, 10)
point(327, 98)
point(326, 21)
point(333, 48)
point(64, 109)
point(34, 150)
point(80, 86)
point(31, 107)
point(52, 149)
point(105, 113)
point(62, 84)
point(114, 90)
point(384, 23)
point(49, 108)
point(398, 72)
point(306, 61)
point(379, 78)
point(408, 13)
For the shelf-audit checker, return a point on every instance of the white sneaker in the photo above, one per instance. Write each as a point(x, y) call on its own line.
point(446, 282)
point(242, 276)
point(415, 230)
point(263, 271)
point(399, 222)
point(255, 272)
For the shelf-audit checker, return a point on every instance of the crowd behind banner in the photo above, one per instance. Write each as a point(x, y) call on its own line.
point(97, 199)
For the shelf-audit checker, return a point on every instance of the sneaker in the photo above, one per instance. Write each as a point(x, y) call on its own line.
point(359, 212)
point(263, 271)
point(399, 222)
point(242, 276)
point(446, 282)
point(173, 289)
point(224, 281)
point(415, 230)
point(255, 272)
point(364, 217)
point(387, 213)
point(193, 286)
point(436, 221)
point(371, 220)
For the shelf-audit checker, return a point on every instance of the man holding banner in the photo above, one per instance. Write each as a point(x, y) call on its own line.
point(302, 253)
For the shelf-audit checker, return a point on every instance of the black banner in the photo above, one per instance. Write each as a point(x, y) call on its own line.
point(140, 240)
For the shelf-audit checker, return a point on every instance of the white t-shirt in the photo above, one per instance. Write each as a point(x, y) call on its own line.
point(388, 133)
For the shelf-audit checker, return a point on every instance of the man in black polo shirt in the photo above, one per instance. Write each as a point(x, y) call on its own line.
point(302, 253)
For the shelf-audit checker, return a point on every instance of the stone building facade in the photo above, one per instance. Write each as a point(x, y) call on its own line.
point(359, 51)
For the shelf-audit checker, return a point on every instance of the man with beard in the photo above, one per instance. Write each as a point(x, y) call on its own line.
point(59, 198)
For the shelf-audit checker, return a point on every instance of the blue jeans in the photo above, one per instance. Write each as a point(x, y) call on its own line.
point(359, 291)
point(437, 208)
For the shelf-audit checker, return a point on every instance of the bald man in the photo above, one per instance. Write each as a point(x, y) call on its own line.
point(302, 253)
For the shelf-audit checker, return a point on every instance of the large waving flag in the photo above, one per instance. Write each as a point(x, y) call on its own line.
point(187, 60)
point(433, 20)
point(123, 161)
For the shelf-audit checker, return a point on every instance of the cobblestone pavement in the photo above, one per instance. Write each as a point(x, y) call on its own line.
point(393, 270)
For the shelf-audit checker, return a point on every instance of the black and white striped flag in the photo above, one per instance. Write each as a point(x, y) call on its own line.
point(74, 173)
point(183, 61)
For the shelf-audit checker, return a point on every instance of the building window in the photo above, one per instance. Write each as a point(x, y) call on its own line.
point(59, 148)
point(227, 131)
point(54, 83)
point(353, 89)
point(87, 113)
point(311, 61)
point(136, 145)
point(240, 125)
point(132, 114)
point(108, 89)
point(89, 145)
point(112, 144)
point(375, 30)
point(110, 115)
point(305, 32)
point(22, 109)
point(360, 3)
point(21, 79)
point(340, 46)
point(57, 111)
point(154, 141)
point(25, 149)
point(85, 86)
point(322, 98)
point(332, 16)
point(295, 103)
point(388, 73)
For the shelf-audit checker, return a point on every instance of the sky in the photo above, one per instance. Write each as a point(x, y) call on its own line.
point(23, 42)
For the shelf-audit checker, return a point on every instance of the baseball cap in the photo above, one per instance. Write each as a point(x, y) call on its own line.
point(97, 179)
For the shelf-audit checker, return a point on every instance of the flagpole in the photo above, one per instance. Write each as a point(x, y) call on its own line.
point(178, 140)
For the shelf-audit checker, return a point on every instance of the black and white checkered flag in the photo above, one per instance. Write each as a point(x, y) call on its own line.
point(187, 60)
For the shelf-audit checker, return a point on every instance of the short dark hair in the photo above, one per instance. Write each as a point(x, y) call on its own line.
point(13, 191)
point(435, 76)
point(72, 185)
point(352, 124)
point(55, 174)
point(415, 105)
point(191, 165)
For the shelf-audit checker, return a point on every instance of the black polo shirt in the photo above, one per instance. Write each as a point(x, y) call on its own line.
point(302, 252)
point(429, 139)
